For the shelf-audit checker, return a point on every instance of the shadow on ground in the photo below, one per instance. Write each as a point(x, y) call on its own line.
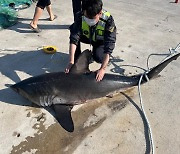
point(31, 63)
point(146, 129)
point(21, 27)
point(116, 69)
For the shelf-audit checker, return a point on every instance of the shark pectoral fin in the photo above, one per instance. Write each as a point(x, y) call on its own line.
point(63, 116)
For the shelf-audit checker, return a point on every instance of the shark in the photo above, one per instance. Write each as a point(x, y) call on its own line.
point(62, 91)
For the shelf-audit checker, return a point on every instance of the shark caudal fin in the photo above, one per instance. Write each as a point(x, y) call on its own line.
point(82, 63)
point(157, 69)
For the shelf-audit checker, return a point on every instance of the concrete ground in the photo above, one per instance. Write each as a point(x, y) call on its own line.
point(108, 125)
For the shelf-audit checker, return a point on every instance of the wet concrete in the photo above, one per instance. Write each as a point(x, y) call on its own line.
point(55, 139)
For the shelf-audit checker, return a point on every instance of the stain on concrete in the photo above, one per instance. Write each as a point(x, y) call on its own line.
point(34, 109)
point(29, 114)
point(56, 140)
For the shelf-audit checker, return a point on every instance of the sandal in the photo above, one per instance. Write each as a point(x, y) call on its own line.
point(55, 16)
point(36, 30)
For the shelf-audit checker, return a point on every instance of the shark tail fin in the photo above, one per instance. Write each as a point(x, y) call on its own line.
point(157, 69)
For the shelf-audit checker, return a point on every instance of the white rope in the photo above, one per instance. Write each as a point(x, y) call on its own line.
point(143, 111)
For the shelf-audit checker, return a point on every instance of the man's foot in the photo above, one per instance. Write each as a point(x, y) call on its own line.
point(53, 18)
point(36, 30)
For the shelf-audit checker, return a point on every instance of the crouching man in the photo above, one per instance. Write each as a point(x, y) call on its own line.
point(96, 27)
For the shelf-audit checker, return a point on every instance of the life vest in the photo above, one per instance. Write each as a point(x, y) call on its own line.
point(99, 31)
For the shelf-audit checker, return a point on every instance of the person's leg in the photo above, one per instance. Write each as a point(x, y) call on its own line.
point(37, 14)
point(98, 53)
point(51, 15)
point(41, 4)
point(76, 7)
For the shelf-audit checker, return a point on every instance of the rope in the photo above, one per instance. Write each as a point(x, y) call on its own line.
point(143, 111)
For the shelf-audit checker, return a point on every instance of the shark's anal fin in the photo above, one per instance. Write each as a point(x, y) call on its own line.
point(63, 116)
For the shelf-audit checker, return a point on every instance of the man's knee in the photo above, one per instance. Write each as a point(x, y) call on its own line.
point(98, 54)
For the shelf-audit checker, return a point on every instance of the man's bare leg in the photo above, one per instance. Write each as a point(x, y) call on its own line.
point(37, 14)
point(49, 10)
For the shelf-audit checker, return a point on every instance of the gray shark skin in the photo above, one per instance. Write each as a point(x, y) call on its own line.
point(62, 91)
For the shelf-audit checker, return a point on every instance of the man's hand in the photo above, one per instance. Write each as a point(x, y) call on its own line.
point(68, 68)
point(100, 74)
point(101, 71)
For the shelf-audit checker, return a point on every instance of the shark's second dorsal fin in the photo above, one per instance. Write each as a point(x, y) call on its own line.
point(82, 63)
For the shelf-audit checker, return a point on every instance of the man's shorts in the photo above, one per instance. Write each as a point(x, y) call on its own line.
point(43, 3)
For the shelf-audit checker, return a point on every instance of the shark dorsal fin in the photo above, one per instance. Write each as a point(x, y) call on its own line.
point(82, 63)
